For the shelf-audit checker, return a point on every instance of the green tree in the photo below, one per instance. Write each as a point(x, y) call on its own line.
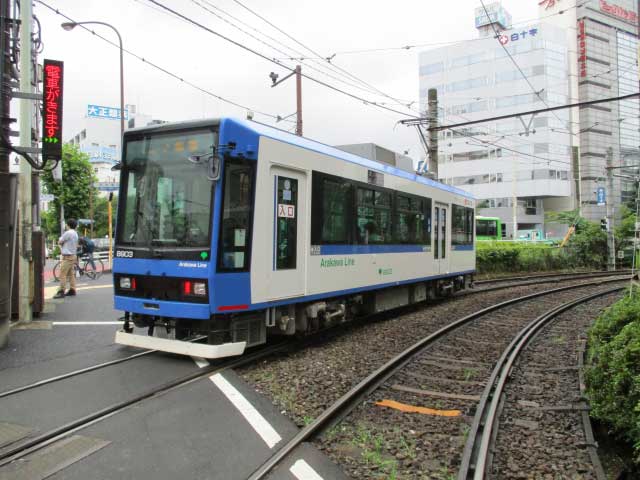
point(101, 215)
point(74, 191)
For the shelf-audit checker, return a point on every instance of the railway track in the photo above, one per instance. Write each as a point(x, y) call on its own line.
point(388, 389)
point(526, 281)
point(20, 449)
point(485, 427)
point(23, 448)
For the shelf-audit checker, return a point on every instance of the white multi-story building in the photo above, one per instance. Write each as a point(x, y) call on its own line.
point(514, 167)
point(603, 42)
point(100, 139)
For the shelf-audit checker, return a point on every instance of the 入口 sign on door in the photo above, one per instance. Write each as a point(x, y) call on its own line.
point(286, 211)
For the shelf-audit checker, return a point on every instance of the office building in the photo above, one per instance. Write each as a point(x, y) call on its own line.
point(515, 167)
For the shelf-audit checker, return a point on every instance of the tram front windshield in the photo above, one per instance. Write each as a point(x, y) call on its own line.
point(168, 196)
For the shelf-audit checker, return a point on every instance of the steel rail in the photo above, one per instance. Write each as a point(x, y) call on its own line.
point(74, 373)
point(80, 371)
point(350, 400)
point(550, 275)
point(484, 427)
point(58, 433)
point(540, 282)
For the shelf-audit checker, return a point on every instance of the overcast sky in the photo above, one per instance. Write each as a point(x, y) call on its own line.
point(328, 27)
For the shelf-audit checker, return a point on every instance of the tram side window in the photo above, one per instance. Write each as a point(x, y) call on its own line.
point(461, 225)
point(373, 216)
point(235, 223)
point(336, 199)
point(411, 220)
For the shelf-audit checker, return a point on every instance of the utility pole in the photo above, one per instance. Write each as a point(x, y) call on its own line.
point(298, 73)
point(24, 191)
point(298, 100)
point(611, 242)
point(7, 180)
point(432, 115)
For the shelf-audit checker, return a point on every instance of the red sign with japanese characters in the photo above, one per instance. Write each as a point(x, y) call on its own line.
point(52, 112)
point(548, 3)
point(582, 49)
point(618, 11)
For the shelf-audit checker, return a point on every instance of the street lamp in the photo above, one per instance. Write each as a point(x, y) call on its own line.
point(68, 26)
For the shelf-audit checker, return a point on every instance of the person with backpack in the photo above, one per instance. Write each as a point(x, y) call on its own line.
point(87, 247)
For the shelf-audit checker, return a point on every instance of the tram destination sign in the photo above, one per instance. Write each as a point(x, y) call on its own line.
point(52, 116)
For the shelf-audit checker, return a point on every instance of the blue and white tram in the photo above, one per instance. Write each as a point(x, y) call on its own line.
point(233, 230)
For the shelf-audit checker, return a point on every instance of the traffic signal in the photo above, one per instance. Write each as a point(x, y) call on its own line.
point(604, 224)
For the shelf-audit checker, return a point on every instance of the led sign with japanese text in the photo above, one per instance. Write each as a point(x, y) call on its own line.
point(52, 115)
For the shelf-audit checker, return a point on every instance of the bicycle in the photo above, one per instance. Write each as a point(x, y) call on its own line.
point(82, 267)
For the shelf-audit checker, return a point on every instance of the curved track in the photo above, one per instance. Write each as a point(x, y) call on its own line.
point(348, 402)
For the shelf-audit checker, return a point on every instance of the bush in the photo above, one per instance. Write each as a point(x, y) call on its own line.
point(587, 248)
point(613, 372)
point(498, 257)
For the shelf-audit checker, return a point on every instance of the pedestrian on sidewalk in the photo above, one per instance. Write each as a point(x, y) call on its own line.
point(68, 248)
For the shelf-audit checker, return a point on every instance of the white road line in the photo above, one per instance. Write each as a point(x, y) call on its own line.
point(303, 471)
point(257, 421)
point(86, 323)
point(201, 362)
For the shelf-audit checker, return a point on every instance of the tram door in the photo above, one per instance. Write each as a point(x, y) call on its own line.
point(440, 239)
point(287, 272)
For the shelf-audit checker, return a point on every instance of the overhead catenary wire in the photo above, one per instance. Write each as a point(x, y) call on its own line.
point(433, 44)
point(320, 56)
point(207, 6)
point(275, 61)
point(162, 69)
point(533, 89)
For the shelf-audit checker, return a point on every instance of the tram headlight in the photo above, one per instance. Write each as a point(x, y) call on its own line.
point(127, 283)
point(191, 288)
point(200, 289)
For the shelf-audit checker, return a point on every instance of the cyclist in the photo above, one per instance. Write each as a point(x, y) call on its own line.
point(68, 248)
point(87, 247)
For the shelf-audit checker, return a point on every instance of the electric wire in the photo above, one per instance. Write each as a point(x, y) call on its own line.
point(275, 61)
point(495, 30)
point(321, 57)
point(162, 69)
point(277, 49)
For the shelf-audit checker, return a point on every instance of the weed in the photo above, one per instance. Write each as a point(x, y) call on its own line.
point(469, 373)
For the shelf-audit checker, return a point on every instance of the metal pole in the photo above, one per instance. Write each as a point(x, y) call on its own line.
point(6, 214)
point(298, 100)
point(121, 89)
point(432, 115)
point(514, 198)
point(24, 190)
point(91, 211)
point(611, 242)
point(110, 216)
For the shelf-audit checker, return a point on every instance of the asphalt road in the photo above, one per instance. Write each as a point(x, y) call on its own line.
point(197, 431)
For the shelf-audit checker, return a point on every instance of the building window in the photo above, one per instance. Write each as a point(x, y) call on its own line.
point(432, 68)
